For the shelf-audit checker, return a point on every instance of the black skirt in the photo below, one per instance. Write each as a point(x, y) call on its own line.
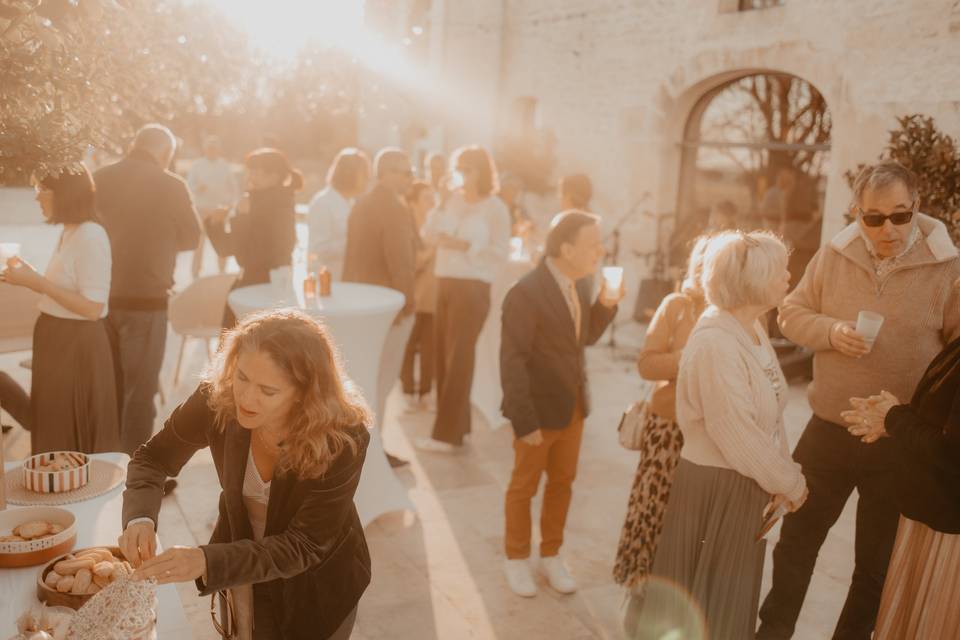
point(73, 393)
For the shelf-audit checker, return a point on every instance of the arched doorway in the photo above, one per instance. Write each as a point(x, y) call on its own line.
point(755, 155)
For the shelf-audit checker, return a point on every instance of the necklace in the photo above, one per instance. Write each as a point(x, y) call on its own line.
point(263, 441)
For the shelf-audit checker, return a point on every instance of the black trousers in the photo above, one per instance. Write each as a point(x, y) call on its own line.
point(835, 463)
point(421, 341)
point(462, 308)
point(138, 340)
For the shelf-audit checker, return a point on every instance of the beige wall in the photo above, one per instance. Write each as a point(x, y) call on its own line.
point(615, 81)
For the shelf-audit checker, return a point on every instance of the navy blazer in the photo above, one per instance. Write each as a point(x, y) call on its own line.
point(542, 368)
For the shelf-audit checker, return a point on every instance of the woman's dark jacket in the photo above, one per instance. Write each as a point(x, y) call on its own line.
point(927, 435)
point(261, 239)
point(313, 556)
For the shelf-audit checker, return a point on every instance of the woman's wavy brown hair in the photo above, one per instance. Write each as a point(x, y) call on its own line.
point(327, 403)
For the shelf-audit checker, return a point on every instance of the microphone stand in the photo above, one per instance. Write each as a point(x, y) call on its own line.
point(612, 257)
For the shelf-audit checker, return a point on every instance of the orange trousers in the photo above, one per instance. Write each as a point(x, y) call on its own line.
point(557, 456)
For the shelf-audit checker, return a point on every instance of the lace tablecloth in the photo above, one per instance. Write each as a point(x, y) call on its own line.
point(98, 524)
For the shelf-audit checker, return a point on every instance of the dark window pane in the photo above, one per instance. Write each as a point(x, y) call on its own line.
point(760, 145)
point(749, 5)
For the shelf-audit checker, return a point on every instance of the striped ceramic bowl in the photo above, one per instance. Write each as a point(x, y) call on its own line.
point(37, 477)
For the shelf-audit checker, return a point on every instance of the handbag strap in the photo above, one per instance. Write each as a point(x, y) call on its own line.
point(227, 629)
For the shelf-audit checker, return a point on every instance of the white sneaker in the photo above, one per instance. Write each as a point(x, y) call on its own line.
point(435, 446)
point(519, 578)
point(557, 575)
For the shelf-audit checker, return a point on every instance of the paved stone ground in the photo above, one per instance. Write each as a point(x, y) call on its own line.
point(437, 573)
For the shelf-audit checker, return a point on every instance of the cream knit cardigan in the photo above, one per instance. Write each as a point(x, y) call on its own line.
point(728, 410)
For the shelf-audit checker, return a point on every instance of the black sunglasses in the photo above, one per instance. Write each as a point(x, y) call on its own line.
point(878, 219)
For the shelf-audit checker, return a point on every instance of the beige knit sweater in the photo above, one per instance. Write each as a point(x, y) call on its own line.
point(918, 299)
point(727, 407)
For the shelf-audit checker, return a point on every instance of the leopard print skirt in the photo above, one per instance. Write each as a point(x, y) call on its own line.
point(659, 455)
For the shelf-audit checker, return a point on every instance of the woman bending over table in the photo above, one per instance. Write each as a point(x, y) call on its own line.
point(288, 438)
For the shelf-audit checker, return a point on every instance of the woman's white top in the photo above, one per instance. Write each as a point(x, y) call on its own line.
point(81, 263)
point(327, 224)
point(485, 225)
point(256, 495)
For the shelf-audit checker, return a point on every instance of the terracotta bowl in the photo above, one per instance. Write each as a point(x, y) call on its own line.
point(34, 552)
point(52, 597)
point(56, 481)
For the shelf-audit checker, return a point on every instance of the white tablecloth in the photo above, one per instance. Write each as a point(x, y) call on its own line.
point(358, 317)
point(98, 524)
point(486, 393)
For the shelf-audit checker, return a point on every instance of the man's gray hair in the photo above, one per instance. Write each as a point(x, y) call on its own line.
point(882, 175)
point(155, 139)
point(389, 159)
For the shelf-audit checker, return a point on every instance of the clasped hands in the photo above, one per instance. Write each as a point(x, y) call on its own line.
point(865, 420)
point(138, 543)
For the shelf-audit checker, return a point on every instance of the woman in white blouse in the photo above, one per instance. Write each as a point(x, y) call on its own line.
point(73, 393)
point(329, 209)
point(472, 234)
point(735, 459)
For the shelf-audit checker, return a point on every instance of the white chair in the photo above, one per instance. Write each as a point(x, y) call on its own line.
point(197, 312)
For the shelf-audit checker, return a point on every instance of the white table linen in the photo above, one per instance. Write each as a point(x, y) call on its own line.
point(358, 317)
point(98, 524)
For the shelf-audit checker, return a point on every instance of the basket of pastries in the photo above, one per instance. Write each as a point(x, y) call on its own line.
point(34, 535)
point(71, 579)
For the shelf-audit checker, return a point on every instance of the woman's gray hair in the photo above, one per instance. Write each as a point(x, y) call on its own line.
point(738, 268)
point(882, 175)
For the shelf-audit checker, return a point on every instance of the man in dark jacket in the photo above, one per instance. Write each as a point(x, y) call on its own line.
point(382, 250)
point(150, 218)
point(547, 321)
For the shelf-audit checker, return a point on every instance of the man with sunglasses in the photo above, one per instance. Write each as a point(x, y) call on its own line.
point(899, 263)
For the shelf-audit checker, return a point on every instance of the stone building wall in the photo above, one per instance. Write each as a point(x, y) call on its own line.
point(615, 80)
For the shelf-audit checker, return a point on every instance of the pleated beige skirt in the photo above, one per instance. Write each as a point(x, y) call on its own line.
point(921, 596)
point(705, 580)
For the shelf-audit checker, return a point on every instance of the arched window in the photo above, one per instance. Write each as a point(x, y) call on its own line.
point(757, 145)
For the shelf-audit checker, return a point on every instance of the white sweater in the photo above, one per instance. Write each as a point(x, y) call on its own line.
point(728, 410)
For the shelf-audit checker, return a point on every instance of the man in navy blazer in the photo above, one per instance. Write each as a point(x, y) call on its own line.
point(548, 319)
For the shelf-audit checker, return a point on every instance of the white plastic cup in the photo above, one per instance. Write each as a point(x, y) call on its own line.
point(9, 250)
point(868, 325)
point(613, 279)
point(516, 248)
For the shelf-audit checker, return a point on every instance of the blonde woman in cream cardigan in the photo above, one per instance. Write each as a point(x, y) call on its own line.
point(735, 460)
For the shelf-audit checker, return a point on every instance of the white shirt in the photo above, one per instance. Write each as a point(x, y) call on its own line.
point(256, 495)
point(327, 224)
point(212, 184)
point(81, 263)
point(485, 225)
